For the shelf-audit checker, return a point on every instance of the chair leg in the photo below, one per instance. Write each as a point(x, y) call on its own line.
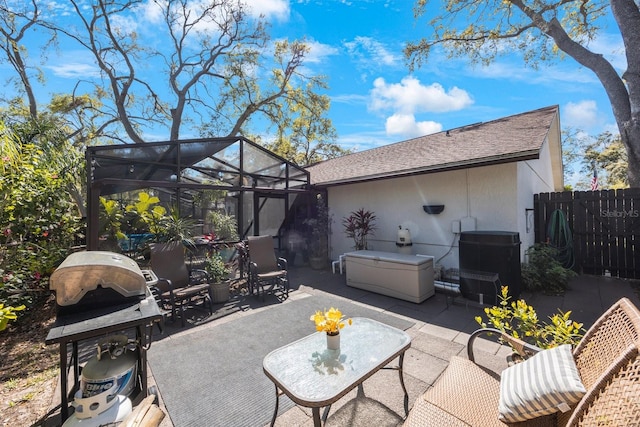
point(256, 287)
point(172, 302)
point(208, 298)
point(182, 313)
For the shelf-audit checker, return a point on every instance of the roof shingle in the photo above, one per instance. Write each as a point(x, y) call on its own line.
point(513, 138)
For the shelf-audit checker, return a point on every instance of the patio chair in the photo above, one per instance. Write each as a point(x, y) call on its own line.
point(177, 286)
point(267, 273)
point(607, 362)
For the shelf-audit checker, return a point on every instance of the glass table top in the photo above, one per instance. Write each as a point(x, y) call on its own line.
point(312, 375)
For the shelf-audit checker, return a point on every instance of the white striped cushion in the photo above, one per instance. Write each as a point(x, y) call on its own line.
point(546, 383)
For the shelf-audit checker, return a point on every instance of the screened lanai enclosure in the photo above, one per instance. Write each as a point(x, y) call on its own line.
point(265, 193)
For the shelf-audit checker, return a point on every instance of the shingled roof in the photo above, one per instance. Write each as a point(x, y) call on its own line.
point(509, 139)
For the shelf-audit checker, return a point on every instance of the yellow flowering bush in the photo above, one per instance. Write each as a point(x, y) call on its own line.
point(8, 313)
point(330, 321)
point(519, 319)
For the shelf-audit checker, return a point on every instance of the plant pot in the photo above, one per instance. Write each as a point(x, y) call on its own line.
point(220, 292)
point(318, 262)
point(333, 341)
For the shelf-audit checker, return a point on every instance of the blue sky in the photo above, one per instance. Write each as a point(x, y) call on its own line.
point(376, 100)
point(358, 45)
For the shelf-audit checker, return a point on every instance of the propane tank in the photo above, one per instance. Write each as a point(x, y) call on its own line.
point(403, 241)
point(107, 380)
point(115, 365)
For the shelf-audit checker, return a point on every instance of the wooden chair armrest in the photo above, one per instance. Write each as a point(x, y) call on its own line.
point(524, 349)
point(253, 267)
point(198, 274)
point(168, 282)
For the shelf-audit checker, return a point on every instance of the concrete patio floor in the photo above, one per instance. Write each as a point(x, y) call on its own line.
point(440, 331)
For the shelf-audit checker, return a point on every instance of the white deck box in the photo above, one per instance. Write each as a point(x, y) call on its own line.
point(403, 276)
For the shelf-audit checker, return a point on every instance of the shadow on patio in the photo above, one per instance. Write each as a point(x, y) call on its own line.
point(439, 331)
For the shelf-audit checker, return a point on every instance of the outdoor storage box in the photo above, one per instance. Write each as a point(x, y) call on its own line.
point(403, 276)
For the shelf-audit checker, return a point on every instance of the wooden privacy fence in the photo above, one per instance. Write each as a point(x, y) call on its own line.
point(605, 226)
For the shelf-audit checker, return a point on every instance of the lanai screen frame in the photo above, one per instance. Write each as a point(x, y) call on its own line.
point(238, 164)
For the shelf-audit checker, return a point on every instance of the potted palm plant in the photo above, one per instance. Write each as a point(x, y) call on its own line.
point(218, 277)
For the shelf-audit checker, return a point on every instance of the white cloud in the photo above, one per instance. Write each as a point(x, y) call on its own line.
point(611, 46)
point(582, 115)
point(74, 65)
point(74, 70)
point(410, 96)
point(151, 11)
point(124, 25)
point(318, 52)
point(350, 98)
point(406, 125)
point(368, 50)
point(549, 74)
point(271, 9)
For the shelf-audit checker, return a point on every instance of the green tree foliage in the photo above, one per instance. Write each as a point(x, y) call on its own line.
point(542, 31)
point(305, 136)
point(221, 73)
point(39, 220)
point(14, 27)
point(604, 153)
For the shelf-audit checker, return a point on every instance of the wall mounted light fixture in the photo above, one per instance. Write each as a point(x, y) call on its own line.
point(433, 209)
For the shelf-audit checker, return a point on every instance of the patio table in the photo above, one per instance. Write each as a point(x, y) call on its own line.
point(315, 377)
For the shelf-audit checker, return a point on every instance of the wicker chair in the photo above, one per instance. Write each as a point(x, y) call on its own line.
point(607, 359)
point(177, 285)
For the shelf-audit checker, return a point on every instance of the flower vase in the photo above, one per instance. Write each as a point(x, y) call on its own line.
point(333, 341)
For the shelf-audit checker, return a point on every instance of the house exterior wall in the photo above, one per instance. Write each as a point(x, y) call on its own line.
point(534, 176)
point(495, 197)
point(483, 194)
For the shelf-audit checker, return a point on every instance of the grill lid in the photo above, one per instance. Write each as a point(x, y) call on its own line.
point(82, 272)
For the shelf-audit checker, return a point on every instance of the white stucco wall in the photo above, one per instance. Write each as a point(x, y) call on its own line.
point(534, 176)
point(487, 194)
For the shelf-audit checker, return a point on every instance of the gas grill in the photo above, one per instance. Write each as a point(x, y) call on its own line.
point(87, 281)
point(100, 293)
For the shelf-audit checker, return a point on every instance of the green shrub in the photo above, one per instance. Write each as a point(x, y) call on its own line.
point(217, 269)
point(8, 313)
point(544, 272)
point(225, 226)
point(40, 172)
point(520, 320)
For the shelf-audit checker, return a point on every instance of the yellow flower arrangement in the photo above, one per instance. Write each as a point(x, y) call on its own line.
point(329, 321)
